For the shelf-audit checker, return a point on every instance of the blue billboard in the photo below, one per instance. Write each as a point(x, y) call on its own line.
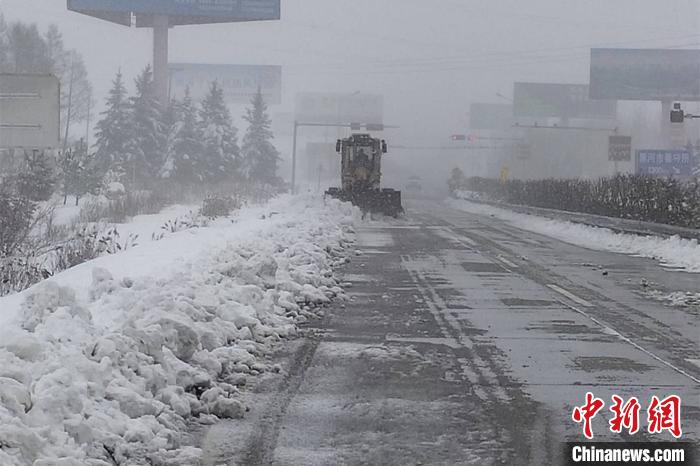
point(675, 163)
point(179, 11)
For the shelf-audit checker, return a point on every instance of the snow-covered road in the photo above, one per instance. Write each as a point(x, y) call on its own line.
point(105, 363)
point(464, 336)
point(468, 340)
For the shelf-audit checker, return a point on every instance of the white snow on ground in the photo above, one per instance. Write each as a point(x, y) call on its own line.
point(678, 298)
point(673, 252)
point(104, 363)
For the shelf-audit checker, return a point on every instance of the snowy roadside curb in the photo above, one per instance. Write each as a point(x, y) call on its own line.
point(102, 365)
point(673, 252)
point(618, 225)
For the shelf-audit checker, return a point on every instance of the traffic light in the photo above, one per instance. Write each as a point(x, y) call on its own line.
point(677, 115)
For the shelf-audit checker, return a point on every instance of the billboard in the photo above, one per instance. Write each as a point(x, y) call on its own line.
point(341, 109)
point(29, 111)
point(490, 116)
point(239, 82)
point(545, 100)
point(179, 11)
point(675, 163)
point(619, 148)
point(645, 74)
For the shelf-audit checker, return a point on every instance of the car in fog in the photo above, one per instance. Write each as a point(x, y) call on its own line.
point(414, 187)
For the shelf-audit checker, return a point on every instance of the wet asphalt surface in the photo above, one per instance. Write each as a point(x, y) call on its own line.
point(466, 341)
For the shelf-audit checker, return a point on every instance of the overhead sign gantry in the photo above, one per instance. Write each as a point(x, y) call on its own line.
point(160, 15)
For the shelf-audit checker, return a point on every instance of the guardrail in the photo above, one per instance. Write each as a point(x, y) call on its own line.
point(619, 225)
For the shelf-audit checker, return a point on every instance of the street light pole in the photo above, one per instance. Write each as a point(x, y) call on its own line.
point(160, 57)
point(294, 157)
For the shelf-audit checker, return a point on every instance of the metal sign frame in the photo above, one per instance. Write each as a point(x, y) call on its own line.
point(645, 74)
point(619, 148)
point(180, 12)
point(30, 111)
point(239, 82)
point(552, 100)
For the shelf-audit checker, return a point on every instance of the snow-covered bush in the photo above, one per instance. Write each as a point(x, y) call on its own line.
point(16, 219)
point(37, 180)
point(184, 222)
point(20, 271)
point(220, 205)
point(121, 208)
point(87, 243)
point(114, 190)
point(661, 200)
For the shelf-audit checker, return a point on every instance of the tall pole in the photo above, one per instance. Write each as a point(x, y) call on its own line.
point(87, 124)
point(666, 106)
point(294, 158)
point(160, 57)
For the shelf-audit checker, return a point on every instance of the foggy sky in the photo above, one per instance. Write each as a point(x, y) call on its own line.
point(429, 58)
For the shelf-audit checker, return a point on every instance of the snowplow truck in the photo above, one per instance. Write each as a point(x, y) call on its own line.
point(361, 163)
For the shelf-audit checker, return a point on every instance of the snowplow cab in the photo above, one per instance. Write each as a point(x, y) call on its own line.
point(361, 173)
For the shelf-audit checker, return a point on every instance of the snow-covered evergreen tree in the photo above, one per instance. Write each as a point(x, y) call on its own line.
point(221, 156)
point(147, 140)
point(79, 173)
point(184, 163)
point(113, 131)
point(171, 119)
point(260, 157)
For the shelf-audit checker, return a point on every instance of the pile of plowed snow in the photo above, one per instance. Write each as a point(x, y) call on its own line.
point(673, 252)
point(104, 363)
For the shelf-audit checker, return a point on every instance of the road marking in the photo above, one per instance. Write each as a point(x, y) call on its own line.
point(507, 262)
point(607, 328)
point(449, 342)
point(570, 295)
point(461, 239)
point(693, 361)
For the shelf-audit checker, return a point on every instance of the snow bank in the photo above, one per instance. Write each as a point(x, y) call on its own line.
point(670, 252)
point(104, 363)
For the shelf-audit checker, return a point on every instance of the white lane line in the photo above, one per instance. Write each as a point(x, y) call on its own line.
point(570, 295)
point(507, 262)
point(461, 239)
point(606, 328)
point(693, 361)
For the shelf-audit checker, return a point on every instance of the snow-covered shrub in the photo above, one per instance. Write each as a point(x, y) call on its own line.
point(37, 180)
point(20, 271)
point(16, 218)
point(120, 209)
point(88, 242)
point(114, 190)
point(220, 206)
point(184, 222)
point(661, 200)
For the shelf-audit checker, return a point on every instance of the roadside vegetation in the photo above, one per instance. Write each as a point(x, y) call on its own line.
point(660, 200)
point(145, 157)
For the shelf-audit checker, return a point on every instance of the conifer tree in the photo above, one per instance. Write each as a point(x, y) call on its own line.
point(188, 147)
point(260, 157)
point(79, 174)
point(147, 138)
point(113, 130)
point(221, 155)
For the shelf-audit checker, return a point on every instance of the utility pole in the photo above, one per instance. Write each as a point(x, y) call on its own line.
point(294, 158)
point(160, 57)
